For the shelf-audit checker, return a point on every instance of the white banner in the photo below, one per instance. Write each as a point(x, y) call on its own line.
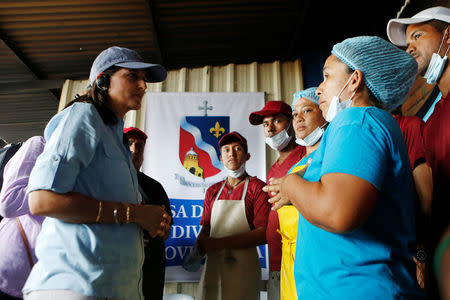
point(182, 153)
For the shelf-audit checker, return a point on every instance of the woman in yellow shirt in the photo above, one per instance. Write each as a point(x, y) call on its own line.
point(309, 125)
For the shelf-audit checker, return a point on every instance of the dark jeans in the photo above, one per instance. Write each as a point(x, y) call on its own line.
point(4, 296)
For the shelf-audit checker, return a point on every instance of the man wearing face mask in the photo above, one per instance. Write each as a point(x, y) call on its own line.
point(233, 223)
point(276, 118)
point(427, 38)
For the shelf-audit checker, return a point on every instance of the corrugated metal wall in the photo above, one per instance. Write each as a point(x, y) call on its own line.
point(279, 80)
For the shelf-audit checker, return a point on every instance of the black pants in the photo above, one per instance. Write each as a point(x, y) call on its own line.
point(4, 296)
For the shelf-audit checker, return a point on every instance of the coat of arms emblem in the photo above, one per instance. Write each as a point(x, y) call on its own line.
point(199, 151)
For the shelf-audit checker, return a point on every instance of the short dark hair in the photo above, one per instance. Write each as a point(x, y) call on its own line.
point(439, 25)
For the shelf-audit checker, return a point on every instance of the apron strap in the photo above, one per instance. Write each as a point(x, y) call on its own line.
point(220, 191)
point(244, 192)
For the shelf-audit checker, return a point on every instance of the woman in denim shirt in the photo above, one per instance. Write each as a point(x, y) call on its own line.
point(85, 184)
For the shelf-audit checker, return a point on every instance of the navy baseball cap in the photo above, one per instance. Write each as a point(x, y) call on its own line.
point(125, 58)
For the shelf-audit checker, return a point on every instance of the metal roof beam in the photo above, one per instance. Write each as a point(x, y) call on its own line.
point(7, 88)
point(5, 43)
point(154, 28)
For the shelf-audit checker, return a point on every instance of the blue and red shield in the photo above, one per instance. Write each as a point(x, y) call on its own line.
point(199, 144)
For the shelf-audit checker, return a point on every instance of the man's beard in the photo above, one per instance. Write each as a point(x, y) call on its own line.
point(422, 67)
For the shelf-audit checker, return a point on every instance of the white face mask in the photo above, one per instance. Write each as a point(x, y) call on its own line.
point(312, 138)
point(336, 106)
point(278, 141)
point(436, 65)
point(236, 173)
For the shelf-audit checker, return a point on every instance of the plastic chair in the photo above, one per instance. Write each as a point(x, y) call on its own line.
point(177, 297)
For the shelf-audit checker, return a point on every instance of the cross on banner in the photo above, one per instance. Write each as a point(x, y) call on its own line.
point(205, 107)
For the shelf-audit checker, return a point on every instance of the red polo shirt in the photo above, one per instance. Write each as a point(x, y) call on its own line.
point(272, 236)
point(436, 134)
point(256, 205)
point(411, 128)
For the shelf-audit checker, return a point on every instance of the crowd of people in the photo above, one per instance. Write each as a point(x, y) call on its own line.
point(355, 207)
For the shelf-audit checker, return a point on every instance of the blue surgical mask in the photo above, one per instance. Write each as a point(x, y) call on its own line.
point(436, 65)
point(312, 138)
point(336, 106)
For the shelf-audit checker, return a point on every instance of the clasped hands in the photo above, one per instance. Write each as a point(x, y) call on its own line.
point(154, 219)
point(277, 188)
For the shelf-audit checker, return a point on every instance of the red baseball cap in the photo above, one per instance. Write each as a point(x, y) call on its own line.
point(136, 131)
point(271, 108)
point(233, 137)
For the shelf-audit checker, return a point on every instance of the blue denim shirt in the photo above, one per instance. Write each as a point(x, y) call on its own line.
point(84, 155)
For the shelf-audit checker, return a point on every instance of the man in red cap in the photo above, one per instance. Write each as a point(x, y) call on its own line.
point(233, 223)
point(152, 193)
point(276, 118)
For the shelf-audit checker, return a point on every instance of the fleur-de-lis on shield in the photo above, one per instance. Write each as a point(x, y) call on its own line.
point(217, 130)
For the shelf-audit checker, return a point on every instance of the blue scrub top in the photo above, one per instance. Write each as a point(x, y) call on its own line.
point(303, 161)
point(84, 155)
point(375, 260)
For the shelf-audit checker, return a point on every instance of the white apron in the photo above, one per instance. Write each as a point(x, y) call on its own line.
point(230, 274)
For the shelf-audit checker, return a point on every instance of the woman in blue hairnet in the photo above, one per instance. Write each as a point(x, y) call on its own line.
point(355, 201)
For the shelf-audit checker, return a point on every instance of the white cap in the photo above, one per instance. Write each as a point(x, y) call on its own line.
point(396, 28)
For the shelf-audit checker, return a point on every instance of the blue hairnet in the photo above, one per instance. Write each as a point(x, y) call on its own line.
point(387, 71)
point(309, 94)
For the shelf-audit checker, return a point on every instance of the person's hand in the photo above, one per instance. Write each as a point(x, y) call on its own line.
point(167, 228)
point(153, 218)
point(277, 194)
